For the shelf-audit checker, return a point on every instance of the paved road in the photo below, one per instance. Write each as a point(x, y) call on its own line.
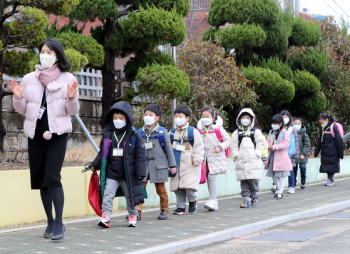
point(336, 241)
point(87, 237)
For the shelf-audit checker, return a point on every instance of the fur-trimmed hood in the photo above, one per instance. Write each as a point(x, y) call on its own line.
point(218, 123)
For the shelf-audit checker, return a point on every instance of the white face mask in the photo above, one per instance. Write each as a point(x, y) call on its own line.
point(207, 121)
point(118, 124)
point(296, 128)
point(324, 125)
point(275, 127)
point(286, 120)
point(246, 122)
point(149, 120)
point(180, 121)
point(47, 61)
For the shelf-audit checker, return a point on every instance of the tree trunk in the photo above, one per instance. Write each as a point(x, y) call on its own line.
point(232, 115)
point(276, 109)
point(108, 73)
point(2, 127)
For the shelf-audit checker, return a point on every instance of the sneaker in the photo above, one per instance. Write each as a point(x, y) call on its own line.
point(246, 203)
point(211, 205)
point(132, 221)
point(273, 189)
point(303, 185)
point(330, 182)
point(104, 222)
point(192, 207)
point(138, 216)
point(279, 196)
point(179, 211)
point(275, 195)
point(255, 199)
point(163, 215)
point(291, 190)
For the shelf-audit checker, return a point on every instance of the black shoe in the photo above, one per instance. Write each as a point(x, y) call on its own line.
point(303, 184)
point(180, 211)
point(192, 207)
point(59, 237)
point(48, 235)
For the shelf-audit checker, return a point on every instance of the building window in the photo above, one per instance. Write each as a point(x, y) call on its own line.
point(199, 5)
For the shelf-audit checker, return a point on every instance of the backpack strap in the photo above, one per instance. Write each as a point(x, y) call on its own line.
point(218, 135)
point(140, 131)
point(172, 135)
point(190, 135)
point(303, 137)
point(133, 142)
point(241, 136)
point(161, 137)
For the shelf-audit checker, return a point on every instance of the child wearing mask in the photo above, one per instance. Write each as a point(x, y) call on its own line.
point(288, 122)
point(159, 156)
point(215, 162)
point(330, 144)
point(122, 161)
point(247, 146)
point(304, 148)
point(188, 146)
point(278, 163)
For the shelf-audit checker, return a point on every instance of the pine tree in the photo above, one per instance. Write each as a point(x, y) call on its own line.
point(138, 28)
point(261, 35)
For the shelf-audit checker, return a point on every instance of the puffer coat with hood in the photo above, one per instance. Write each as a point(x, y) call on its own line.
point(216, 161)
point(133, 168)
point(247, 158)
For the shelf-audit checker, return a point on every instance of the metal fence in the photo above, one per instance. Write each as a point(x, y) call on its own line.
point(199, 5)
point(90, 82)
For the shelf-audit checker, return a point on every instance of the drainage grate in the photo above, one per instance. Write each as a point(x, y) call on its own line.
point(287, 236)
point(339, 215)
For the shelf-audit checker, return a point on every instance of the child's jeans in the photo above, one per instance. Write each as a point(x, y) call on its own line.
point(302, 172)
point(291, 179)
point(248, 187)
point(181, 195)
point(109, 194)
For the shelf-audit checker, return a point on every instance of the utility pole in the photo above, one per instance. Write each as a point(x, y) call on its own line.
point(173, 103)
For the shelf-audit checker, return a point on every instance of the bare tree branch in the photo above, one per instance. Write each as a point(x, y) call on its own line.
point(122, 80)
point(7, 39)
point(9, 14)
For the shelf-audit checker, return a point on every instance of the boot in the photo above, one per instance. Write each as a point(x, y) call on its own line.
point(163, 215)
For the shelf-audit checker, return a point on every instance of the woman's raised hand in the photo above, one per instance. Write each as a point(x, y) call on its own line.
point(16, 89)
point(72, 90)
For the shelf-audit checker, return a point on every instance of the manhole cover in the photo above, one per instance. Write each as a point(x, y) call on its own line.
point(287, 236)
point(339, 215)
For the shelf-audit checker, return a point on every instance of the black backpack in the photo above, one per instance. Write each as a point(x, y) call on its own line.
point(241, 135)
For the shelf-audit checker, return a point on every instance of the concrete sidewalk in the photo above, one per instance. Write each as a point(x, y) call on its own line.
point(87, 237)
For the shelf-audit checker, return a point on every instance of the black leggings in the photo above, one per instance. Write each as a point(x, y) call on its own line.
point(53, 195)
point(330, 175)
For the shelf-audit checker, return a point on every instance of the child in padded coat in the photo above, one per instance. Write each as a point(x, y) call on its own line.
point(215, 155)
point(187, 141)
point(278, 164)
point(159, 155)
point(122, 162)
point(247, 146)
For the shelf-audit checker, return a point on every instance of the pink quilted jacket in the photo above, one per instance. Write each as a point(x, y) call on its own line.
point(59, 107)
point(281, 161)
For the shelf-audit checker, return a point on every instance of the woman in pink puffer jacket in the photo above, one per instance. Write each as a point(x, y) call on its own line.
point(47, 97)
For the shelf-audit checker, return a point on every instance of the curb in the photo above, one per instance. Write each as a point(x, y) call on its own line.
point(229, 234)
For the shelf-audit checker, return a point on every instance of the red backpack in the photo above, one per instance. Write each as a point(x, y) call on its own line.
point(218, 135)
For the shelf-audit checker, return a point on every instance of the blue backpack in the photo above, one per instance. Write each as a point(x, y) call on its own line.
point(292, 145)
point(160, 135)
